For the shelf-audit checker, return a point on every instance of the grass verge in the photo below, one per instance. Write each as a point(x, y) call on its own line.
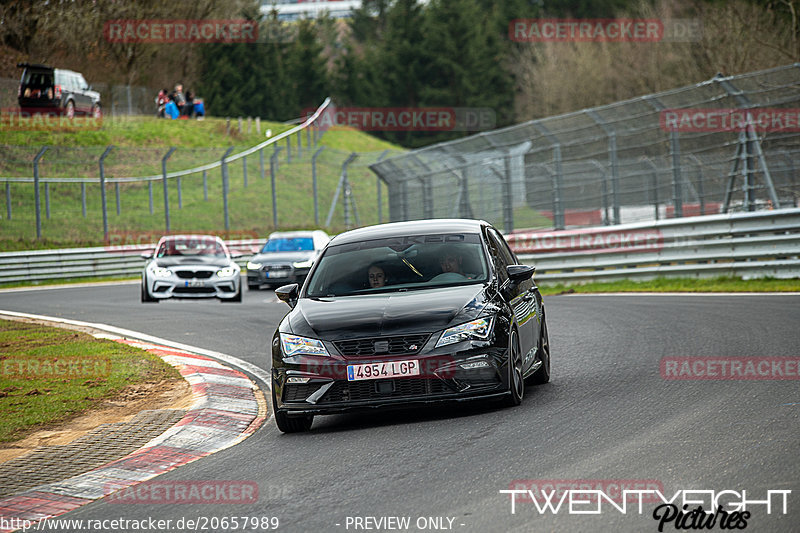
point(719, 284)
point(50, 374)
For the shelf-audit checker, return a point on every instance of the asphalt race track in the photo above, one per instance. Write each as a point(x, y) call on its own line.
point(606, 415)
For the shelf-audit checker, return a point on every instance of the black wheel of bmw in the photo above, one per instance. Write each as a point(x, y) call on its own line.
point(542, 375)
point(290, 424)
point(146, 298)
point(516, 383)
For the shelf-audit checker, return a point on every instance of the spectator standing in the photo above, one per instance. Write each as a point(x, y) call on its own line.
point(161, 102)
point(188, 108)
point(178, 97)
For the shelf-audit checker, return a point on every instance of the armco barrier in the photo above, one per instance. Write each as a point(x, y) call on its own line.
point(78, 263)
point(749, 245)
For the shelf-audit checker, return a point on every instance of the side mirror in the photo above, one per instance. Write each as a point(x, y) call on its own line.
point(288, 294)
point(520, 273)
point(147, 255)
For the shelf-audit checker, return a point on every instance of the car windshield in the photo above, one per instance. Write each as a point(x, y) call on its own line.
point(399, 264)
point(289, 244)
point(189, 246)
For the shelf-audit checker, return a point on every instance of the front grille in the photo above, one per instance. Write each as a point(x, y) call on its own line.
point(196, 274)
point(194, 290)
point(298, 392)
point(406, 344)
point(277, 267)
point(353, 391)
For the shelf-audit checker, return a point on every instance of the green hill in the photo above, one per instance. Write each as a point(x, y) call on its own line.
point(139, 145)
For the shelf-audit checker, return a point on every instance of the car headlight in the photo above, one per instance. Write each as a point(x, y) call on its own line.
point(478, 329)
point(294, 345)
point(303, 264)
point(226, 272)
point(161, 272)
point(253, 266)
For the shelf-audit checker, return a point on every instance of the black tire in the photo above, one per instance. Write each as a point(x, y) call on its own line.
point(70, 109)
point(236, 299)
point(542, 375)
point(146, 298)
point(516, 383)
point(290, 424)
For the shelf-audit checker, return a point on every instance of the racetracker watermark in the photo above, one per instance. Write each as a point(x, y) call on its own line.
point(605, 30)
point(408, 118)
point(61, 367)
point(180, 31)
point(730, 368)
point(185, 492)
point(768, 119)
point(588, 241)
point(46, 118)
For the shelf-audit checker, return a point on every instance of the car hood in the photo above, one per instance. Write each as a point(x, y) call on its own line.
point(395, 313)
point(195, 260)
point(284, 257)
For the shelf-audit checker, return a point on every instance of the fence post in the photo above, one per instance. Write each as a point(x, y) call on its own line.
point(289, 149)
point(261, 162)
point(276, 161)
point(103, 190)
point(343, 185)
point(244, 170)
point(83, 199)
point(8, 200)
point(677, 189)
point(36, 191)
point(299, 145)
point(47, 200)
point(116, 194)
point(205, 185)
point(273, 169)
point(378, 185)
point(653, 184)
point(180, 195)
point(224, 165)
point(308, 135)
point(314, 183)
point(508, 197)
point(164, 182)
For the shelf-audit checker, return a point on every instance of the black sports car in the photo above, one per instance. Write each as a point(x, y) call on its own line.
point(408, 313)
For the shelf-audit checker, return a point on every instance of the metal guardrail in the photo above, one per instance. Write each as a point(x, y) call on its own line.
point(750, 245)
point(747, 245)
point(78, 263)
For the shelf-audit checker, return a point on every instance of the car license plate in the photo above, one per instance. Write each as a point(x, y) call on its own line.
point(277, 273)
point(391, 369)
point(195, 283)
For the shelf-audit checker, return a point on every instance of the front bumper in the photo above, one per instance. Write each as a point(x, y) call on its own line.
point(442, 379)
point(174, 287)
point(276, 276)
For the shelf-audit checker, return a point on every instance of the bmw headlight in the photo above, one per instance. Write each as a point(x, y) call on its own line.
point(253, 266)
point(303, 264)
point(478, 329)
point(226, 272)
point(294, 345)
point(161, 272)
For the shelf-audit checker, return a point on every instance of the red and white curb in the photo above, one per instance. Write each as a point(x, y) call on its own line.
point(227, 408)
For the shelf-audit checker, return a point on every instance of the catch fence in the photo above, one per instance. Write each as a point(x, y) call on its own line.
point(725, 145)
